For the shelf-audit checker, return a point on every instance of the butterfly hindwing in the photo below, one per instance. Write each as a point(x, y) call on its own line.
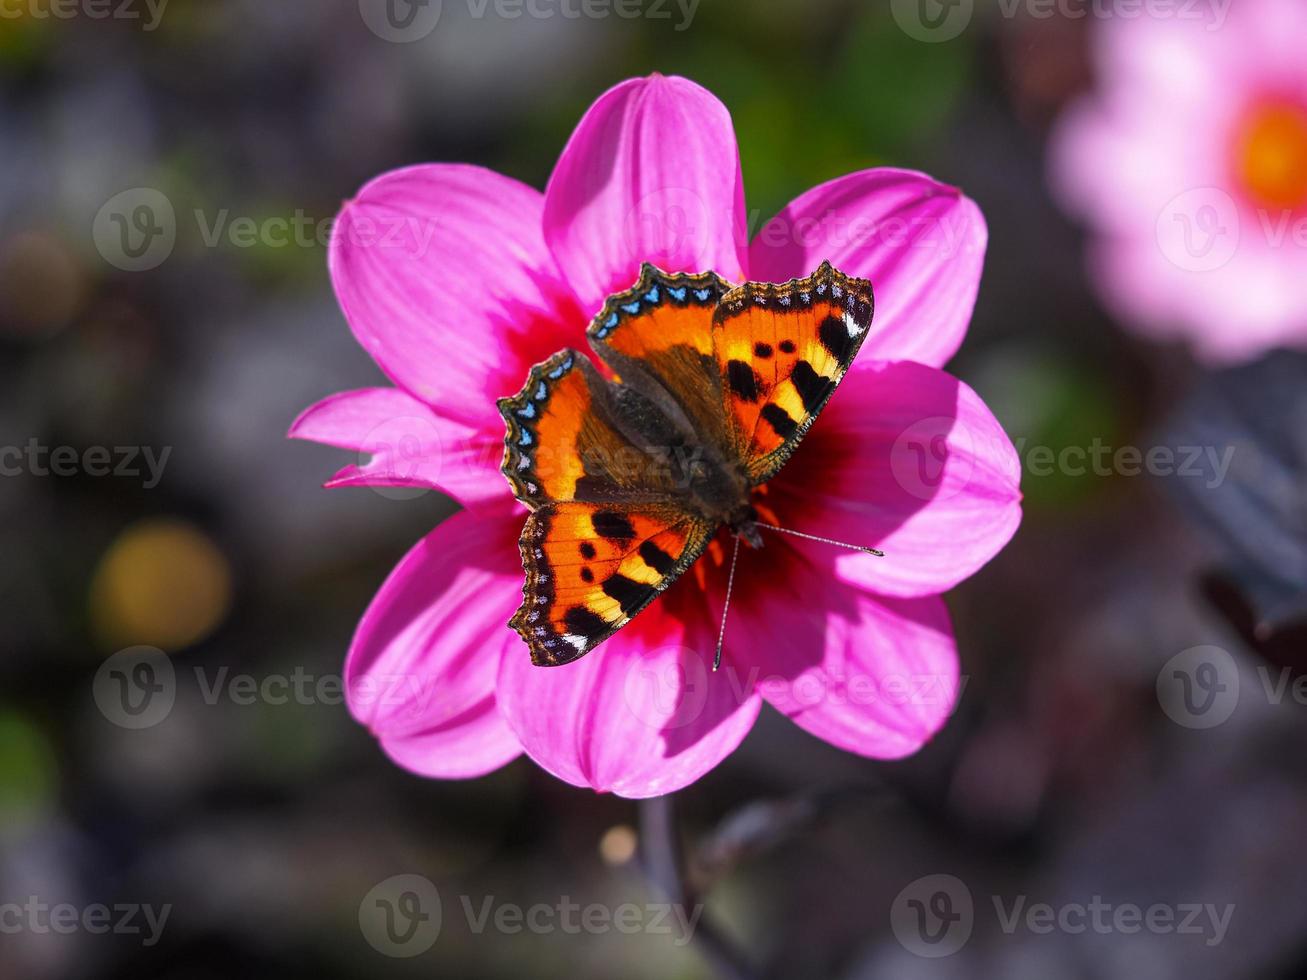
point(591, 567)
point(782, 349)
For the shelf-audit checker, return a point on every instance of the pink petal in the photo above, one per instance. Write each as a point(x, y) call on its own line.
point(920, 242)
point(421, 670)
point(408, 445)
point(652, 174)
point(871, 675)
point(640, 716)
point(445, 279)
point(907, 459)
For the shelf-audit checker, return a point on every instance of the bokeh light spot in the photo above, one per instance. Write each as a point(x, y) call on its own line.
point(163, 583)
point(618, 845)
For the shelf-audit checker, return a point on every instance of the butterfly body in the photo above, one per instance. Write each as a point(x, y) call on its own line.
point(630, 476)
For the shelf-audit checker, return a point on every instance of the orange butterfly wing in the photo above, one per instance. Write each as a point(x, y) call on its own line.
point(782, 349)
point(590, 568)
point(608, 532)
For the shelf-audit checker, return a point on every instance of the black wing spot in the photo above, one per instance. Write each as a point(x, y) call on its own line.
point(762, 350)
point(613, 526)
point(835, 338)
point(811, 386)
point(787, 347)
point(629, 593)
point(657, 559)
point(780, 420)
point(744, 380)
point(587, 550)
point(580, 621)
point(587, 575)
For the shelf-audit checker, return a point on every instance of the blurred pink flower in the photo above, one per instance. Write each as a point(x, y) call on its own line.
point(456, 280)
point(1190, 165)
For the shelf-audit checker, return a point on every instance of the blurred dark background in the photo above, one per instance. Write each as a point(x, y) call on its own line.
point(1062, 778)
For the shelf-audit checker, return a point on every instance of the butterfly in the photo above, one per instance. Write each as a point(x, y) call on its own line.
point(629, 477)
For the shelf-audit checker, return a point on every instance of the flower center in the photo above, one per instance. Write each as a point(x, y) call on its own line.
point(1271, 155)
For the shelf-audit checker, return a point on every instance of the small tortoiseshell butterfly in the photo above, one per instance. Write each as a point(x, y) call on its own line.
point(629, 478)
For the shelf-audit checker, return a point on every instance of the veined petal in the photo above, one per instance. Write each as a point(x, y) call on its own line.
point(408, 444)
point(445, 279)
point(872, 675)
point(421, 670)
point(652, 174)
point(642, 715)
point(907, 459)
point(920, 242)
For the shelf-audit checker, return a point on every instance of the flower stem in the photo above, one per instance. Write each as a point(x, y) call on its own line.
point(661, 859)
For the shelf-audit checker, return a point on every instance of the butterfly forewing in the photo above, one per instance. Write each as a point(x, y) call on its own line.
point(562, 443)
point(782, 350)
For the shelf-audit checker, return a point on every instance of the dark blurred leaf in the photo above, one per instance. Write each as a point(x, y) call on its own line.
point(1257, 512)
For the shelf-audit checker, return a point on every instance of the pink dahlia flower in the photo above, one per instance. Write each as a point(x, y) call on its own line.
point(1190, 165)
point(456, 280)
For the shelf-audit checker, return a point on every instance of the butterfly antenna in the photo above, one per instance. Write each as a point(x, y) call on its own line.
point(813, 537)
point(730, 585)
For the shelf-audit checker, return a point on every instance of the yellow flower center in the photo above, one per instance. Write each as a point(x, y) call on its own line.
point(1271, 156)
